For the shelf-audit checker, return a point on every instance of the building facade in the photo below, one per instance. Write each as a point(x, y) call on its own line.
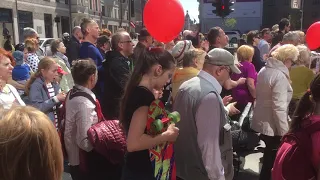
point(247, 16)
point(274, 10)
point(49, 17)
point(52, 18)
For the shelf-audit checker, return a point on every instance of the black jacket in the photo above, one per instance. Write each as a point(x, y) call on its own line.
point(73, 50)
point(116, 70)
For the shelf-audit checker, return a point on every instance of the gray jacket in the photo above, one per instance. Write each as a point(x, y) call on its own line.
point(187, 152)
point(39, 97)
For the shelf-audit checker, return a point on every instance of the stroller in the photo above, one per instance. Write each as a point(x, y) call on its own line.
point(244, 139)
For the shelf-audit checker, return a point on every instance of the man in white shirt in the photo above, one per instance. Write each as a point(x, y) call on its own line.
point(264, 46)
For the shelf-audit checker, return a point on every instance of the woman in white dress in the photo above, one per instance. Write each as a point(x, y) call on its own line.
point(8, 94)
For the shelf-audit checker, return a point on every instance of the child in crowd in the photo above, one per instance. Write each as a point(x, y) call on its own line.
point(43, 91)
point(152, 72)
point(21, 71)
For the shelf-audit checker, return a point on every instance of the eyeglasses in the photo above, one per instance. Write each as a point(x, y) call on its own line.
point(130, 41)
point(227, 69)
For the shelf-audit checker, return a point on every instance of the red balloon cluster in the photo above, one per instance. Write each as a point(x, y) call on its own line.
point(313, 36)
point(164, 19)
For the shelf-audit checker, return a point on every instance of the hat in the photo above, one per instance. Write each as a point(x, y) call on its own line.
point(61, 71)
point(180, 48)
point(222, 57)
point(18, 57)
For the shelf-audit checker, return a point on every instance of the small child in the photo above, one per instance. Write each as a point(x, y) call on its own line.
point(21, 71)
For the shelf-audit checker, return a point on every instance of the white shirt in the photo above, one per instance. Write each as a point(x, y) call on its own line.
point(80, 116)
point(208, 126)
point(9, 96)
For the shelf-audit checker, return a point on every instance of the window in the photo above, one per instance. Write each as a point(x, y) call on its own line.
point(271, 2)
point(114, 13)
point(66, 1)
point(90, 4)
point(103, 11)
point(315, 2)
point(110, 28)
point(57, 0)
point(96, 2)
point(109, 12)
point(287, 2)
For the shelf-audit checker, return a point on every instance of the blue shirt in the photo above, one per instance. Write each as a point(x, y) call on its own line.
point(21, 72)
point(88, 50)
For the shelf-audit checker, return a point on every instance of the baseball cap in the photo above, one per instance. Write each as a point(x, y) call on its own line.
point(180, 48)
point(222, 57)
point(61, 71)
point(18, 57)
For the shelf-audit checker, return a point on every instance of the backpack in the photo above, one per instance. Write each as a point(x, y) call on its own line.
point(293, 159)
point(74, 92)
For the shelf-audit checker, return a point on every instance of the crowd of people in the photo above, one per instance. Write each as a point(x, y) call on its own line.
point(98, 76)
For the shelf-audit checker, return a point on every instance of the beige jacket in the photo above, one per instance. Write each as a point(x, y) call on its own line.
point(274, 92)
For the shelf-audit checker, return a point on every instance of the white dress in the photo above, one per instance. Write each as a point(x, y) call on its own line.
point(9, 96)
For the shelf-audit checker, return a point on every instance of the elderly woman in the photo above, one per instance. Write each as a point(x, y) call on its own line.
point(8, 94)
point(301, 76)
point(58, 50)
point(193, 61)
point(245, 93)
point(273, 93)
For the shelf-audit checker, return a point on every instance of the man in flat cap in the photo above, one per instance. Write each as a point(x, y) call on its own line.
point(203, 149)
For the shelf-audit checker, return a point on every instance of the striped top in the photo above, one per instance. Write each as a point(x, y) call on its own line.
point(53, 94)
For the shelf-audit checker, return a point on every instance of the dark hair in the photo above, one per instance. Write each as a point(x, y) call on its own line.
point(143, 34)
point(264, 31)
point(313, 64)
point(306, 104)
point(19, 47)
point(82, 69)
point(213, 34)
point(84, 24)
point(55, 45)
point(148, 58)
point(251, 35)
point(102, 40)
point(283, 23)
point(194, 39)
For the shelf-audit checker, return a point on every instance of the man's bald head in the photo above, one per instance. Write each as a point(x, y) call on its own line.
point(76, 29)
point(76, 32)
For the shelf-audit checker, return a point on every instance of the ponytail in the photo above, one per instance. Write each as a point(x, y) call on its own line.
point(33, 77)
point(303, 110)
point(306, 105)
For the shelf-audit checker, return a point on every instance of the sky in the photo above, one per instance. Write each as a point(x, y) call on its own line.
point(193, 7)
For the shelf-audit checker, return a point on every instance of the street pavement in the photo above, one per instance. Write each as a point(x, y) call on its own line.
point(249, 170)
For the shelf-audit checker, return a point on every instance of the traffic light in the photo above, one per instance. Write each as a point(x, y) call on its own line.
point(223, 7)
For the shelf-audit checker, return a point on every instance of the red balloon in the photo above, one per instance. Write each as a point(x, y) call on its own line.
point(164, 19)
point(313, 36)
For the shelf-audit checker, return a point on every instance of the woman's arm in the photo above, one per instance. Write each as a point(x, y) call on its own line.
point(137, 140)
point(251, 87)
point(37, 101)
point(230, 84)
point(15, 84)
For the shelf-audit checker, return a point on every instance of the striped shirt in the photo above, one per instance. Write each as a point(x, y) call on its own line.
point(53, 94)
